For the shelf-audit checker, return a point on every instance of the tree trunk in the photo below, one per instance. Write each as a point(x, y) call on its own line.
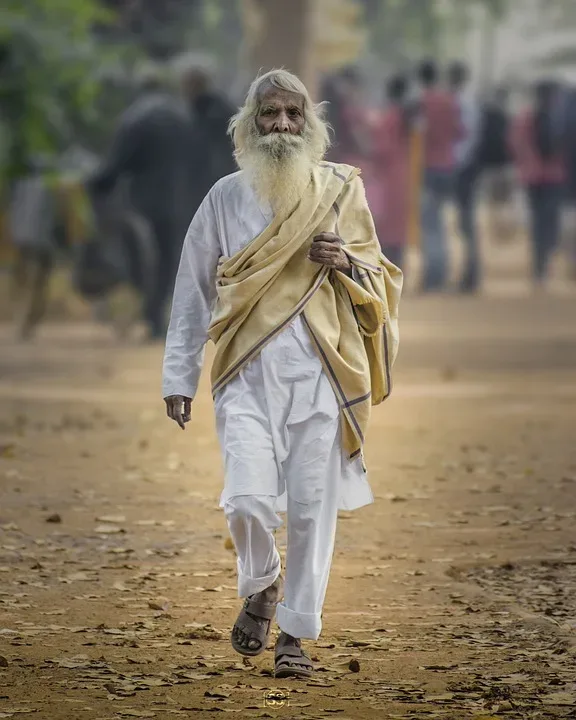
point(283, 39)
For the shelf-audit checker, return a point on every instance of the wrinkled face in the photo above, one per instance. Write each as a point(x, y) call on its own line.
point(280, 112)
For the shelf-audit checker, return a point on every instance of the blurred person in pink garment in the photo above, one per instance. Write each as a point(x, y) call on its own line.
point(391, 151)
point(347, 116)
point(352, 121)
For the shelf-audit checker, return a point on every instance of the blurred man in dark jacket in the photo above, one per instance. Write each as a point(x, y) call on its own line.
point(212, 152)
point(172, 151)
point(152, 149)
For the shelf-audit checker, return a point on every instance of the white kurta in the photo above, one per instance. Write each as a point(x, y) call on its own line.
point(278, 423)
point(278, 419)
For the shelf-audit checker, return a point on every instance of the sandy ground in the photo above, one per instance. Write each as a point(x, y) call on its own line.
point(455, 592)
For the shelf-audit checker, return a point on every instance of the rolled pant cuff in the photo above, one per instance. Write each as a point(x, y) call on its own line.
point(299, 625)
point(249, 586)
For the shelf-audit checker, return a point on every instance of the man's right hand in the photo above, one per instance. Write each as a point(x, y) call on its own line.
point(178, 408)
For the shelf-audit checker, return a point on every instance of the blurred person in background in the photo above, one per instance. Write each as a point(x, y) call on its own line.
point(391, 148)
point(212, 152)
point(442, 128)
point(346, 116)
point(282, 270)
point(467, 173)
point(36, 236)
point(494, 160)
point(351, 122)
point(538, 154)
point(567, 119)
point(152, 149)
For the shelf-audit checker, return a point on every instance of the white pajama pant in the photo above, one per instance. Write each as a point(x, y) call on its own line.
point(278, 422)
point(311, 531)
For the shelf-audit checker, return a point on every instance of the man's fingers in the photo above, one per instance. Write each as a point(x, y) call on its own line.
point(187, 409)
point(324, 255)
point(174, 407)
point(328, 237)
point(178, 407)
point(326, 245)
point(324, 248)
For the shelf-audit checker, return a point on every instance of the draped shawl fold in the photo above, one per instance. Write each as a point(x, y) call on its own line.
point(353, 322)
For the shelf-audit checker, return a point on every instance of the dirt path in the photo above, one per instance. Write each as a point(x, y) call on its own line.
point(455, 591)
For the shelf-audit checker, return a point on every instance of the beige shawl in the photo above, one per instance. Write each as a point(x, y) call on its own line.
point(353, 322)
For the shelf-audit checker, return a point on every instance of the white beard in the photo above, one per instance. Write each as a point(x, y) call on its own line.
point(278, 167)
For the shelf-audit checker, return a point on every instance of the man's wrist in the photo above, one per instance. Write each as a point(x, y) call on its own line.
point(173, 392)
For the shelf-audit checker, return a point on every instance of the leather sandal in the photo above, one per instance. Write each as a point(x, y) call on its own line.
point(252, 628)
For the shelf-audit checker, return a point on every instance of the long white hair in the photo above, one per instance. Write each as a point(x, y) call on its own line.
point(243, 125)
point(278, 165)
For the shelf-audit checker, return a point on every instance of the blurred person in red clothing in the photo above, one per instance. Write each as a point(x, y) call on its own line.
point(442, 128)
point(352, 122)
point(536, 147)
point(391, 152)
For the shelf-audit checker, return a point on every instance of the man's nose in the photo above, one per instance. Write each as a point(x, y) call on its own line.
point(282, 124)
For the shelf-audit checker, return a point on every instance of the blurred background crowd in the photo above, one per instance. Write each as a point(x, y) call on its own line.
point(113, 126)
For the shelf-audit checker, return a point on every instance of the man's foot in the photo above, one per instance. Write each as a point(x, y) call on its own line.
point(290, 660)
point(252, 628)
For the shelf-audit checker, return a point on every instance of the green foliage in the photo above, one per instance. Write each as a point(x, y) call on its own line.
point(49, 61)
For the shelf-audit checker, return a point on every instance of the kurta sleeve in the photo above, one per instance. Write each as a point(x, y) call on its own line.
point(194, 298)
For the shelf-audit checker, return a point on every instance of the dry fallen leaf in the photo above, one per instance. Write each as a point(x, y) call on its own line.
point(218, 694)
point(8, 451)
point(111, 519)
point(10, 526)
point(108, 529)
point(560, 698)
point(163, 606)
point(354, 666)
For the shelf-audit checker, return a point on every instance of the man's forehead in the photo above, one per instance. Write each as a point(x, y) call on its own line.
point(272, 94)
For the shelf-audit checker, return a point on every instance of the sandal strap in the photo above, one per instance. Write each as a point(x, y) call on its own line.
point(290, 651)
point(250, 626)
point(260, 609)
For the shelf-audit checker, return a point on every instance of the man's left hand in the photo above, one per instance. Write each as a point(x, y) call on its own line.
point(327, 250)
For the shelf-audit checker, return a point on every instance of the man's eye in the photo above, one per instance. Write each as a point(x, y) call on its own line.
point(294, 112)
point(268, 111)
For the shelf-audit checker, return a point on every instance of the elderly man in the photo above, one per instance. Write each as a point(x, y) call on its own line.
point(282, 269)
